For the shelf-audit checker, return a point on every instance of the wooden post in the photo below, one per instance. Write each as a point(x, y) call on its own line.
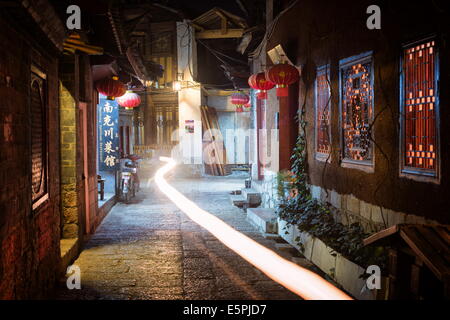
point(393, 259)
point(288, 126)
point(415, 278)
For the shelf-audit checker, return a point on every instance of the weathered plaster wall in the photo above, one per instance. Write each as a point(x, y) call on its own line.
point(190, 148)
point(315, 43)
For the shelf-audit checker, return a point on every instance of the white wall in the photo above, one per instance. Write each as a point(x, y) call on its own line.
point(189, 98)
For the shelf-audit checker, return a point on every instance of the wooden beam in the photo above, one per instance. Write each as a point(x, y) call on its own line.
point(197, 26)
point(223, 21)
point(223, 25)
point(381, 234)
point(217, 34)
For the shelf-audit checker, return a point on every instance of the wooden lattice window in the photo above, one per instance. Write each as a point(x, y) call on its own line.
point(357, 108)
point(39, 149)
point(323, 107)
point(419, 109)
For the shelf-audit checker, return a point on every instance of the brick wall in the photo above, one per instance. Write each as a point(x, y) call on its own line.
point(29, 241)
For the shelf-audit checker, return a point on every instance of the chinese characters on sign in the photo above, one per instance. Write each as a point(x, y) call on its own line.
point(108, 134)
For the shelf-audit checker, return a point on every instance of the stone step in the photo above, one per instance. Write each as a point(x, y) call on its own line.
point(272, 236)
point(285, 254)
point(238, 200)
point(265, 219)
point(287, 248)
point(249, 191)
point(252, 196)
point(302, 262)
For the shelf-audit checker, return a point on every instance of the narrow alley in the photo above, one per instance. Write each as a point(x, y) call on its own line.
point(224, 150)
point(150, 250)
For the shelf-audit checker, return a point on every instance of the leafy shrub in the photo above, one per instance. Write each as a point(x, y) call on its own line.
point(315, 218)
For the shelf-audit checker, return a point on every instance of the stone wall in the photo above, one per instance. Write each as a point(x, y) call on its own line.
point(348, 209)
point(29, 239)
point(68, 132)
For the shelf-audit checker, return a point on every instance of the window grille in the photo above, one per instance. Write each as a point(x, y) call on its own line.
point(419, 136)
point(357, 109)
point(323, 107)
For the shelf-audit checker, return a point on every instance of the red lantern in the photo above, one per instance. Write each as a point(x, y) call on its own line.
point(259, 82)
point(111, 88)
point(239, 109)
point(239, 98)
point(282, 75)
point(129, 100)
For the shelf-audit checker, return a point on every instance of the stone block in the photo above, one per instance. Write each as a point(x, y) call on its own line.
point(323, 258)
point(285, 232)
point(68, 137)
point(413, 219)
point(281, 225)
point(365, 210)
point(70, 231)
point(353, 218)
point(344, 218)
point(69, 199)
point(395, 217)
point(70, 215)
point(353, 204)
point(347, 275)
point(253, 197)
point(263, 218)
point(315, 192)
point(69, 171)
point(335, 199)
point(68, 118)
point(68, 155)
point(308, 244)
point(324, 195)
point(379, 215)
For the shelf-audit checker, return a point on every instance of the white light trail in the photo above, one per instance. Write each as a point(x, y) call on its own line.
point(301, 281)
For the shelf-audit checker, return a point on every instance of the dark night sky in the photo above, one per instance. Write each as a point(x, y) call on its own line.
point(197, 7)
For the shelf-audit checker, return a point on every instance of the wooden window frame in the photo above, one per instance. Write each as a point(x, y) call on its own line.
point(35, 74)
point(364, 165)
point(418, 174)
point(325, 69)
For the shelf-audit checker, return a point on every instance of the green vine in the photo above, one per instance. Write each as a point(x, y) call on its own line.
point(315, 218)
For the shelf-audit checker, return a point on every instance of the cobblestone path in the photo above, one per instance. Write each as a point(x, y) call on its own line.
point(149, 249)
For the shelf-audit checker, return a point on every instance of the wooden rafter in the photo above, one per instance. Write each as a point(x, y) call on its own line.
point(218, 34)
point(74, 43)
point(217, 23)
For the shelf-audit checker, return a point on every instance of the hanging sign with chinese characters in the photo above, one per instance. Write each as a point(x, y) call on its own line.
point(108, 134)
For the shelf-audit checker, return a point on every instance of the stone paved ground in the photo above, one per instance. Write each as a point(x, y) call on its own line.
point(151, 250)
